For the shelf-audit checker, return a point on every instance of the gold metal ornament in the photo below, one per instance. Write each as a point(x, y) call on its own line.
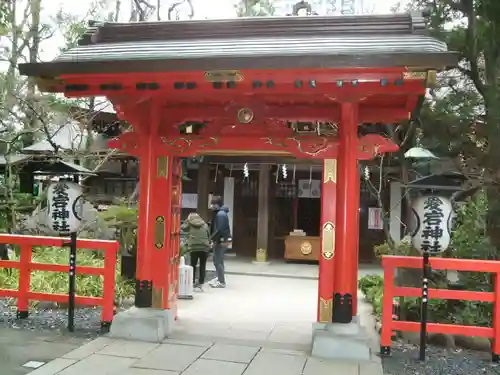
point(330, 171)
point(306, 248)
point(328, 241)
point(159, 232)
point(325, 310)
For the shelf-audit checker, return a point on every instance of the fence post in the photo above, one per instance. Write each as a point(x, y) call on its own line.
point(24, 282)
point(386, 334)
point(495, 347)
point(110, 255)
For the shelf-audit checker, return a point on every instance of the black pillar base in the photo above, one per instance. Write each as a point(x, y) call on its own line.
point(22, 314)
point(105, 327)
point(143, 293)
point(385, 351)
point(495, 357)
point(342, 308)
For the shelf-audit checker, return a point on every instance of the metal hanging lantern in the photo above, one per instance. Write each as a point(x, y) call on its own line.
point(302, 6)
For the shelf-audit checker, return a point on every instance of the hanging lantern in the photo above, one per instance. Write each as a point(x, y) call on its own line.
point(246, 173)
point(65, 206)
point(433, 220)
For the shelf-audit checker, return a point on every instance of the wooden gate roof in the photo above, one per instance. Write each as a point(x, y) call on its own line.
point(251, 43)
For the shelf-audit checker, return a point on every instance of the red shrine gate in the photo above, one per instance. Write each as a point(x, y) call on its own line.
point(296, 86)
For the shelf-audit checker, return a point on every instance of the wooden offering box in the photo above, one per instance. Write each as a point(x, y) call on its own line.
point(302, 248)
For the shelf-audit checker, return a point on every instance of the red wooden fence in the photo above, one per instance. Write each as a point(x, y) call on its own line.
point(25, 265)
point(390, 263)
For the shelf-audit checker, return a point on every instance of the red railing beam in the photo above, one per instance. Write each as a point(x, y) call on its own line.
point(9, 264)
point(86, 270)
point(18, 239)
point(469, 265)
point(63, 298)
point(10, 293)
point(465, 295)
point(450, 329)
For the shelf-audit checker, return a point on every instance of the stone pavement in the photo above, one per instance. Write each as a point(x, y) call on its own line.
point(18, 347)
point(257, 325)
point(104, 356)
point(236, 265)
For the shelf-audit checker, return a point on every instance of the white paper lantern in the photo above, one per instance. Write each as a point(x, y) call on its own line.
point(65, 206)
point(433, 217)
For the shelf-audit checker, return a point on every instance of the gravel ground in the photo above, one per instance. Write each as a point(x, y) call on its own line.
point(87, 320)
point(439, 361)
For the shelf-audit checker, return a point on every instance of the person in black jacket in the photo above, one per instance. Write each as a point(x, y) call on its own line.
point(221, 239)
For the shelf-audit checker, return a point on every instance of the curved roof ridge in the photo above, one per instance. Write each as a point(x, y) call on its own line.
point(115, 32)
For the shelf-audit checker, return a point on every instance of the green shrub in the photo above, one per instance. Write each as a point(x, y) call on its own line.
point(57, 282)
point(369, 282)
point(372, 287)
point(403, 248)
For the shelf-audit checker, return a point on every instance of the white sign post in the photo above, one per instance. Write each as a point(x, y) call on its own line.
point(432, 235)
point(65, 210)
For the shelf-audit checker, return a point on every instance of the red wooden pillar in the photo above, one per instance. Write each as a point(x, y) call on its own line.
point(154, 256)
point(327, 233)
point(175, 232)
point(346, 216)
point(356, 252)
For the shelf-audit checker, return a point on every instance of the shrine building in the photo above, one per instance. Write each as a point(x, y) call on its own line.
point(316, 94)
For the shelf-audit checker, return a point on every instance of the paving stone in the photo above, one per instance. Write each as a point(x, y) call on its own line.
point(231, 353)
point(171, 357)
point(89, 348)
point(53, 367)
point(130, 349)
point(316, 366)
point(211, 367)
point(371, 368)
point(147, 371)
point(276, 363)
point(299, 353)
point(249, 334)
point(191, 342)
point(290, 336)
point(33, 364)
point(99, 364)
